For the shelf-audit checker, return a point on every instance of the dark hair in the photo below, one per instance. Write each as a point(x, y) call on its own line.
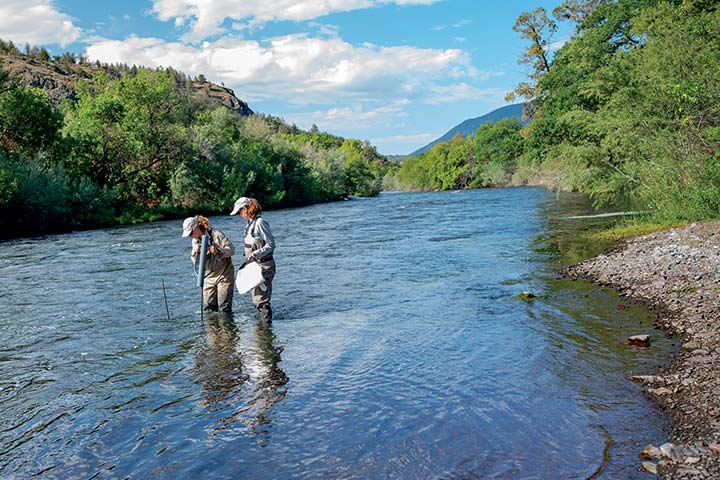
point(254, 209)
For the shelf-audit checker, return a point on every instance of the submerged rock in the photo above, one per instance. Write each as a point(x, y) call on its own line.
point(639, 340)
point(526, 296)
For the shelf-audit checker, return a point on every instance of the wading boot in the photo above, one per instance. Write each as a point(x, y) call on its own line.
point(265, 312)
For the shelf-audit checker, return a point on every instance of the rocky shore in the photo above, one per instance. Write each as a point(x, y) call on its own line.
point(677, 273)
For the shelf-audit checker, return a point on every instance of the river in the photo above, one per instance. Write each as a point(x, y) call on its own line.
point(398, 350)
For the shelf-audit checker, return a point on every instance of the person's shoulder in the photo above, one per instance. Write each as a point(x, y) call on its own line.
point(218, 233)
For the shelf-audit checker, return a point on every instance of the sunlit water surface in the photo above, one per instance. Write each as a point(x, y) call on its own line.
point(398, 351)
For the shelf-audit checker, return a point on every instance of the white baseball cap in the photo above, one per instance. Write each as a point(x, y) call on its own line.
point(189, 225)
point(240, 203)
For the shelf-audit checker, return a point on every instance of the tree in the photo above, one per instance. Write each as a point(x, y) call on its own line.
point(94, 126)
point(43, 55)
point(28, 121)
point(363, 176)
point(576, 11)
point(499, 142)
point(536, 27)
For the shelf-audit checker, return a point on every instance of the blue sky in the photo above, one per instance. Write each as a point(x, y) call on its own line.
point(398, 73)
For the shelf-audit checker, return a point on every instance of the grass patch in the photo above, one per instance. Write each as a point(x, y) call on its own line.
point(597, 239)
point(628, 229)
point(683, 289)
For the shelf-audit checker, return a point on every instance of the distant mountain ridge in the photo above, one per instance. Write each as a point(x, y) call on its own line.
point(472, 124)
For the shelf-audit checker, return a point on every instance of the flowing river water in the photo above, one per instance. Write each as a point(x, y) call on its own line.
point(397, 350)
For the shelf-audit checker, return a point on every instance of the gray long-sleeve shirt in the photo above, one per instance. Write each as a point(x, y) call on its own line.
point(263, 244)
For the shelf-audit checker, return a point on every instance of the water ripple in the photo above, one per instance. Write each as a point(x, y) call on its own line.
point(397, 351)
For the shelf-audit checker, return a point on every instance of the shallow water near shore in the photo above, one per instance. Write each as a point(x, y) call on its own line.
point(397, 350)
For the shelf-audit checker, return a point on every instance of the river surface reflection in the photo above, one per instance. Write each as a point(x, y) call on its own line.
point(398, 350)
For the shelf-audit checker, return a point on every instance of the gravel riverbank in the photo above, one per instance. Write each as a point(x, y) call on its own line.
point(677, 273)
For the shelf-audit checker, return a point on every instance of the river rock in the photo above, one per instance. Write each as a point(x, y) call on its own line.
point(662, 391)
point(687, 472)
point(671, 451)
point(639, 340)
point(706, 359)
point(647, 379)
point(650, 467)
point(651, 451)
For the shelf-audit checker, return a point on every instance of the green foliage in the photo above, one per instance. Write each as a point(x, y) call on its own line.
point(499, 142)
point(444, 167)
point(629, 110)
point(327, 167)
point(487, 158)
point(28, 122)
point(362, 171)
point(538, 29)
point(34, 198)
point(139, 148)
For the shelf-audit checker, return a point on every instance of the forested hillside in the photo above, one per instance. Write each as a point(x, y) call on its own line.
point(628, 111)
point(135, 144)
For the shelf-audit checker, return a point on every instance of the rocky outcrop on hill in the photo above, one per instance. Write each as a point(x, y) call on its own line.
point(678, 273)
point(221, 95)
point(59, 80)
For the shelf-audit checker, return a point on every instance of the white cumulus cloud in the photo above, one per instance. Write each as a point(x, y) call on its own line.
point(36, 22)
point(205, 18)
point(296, 68)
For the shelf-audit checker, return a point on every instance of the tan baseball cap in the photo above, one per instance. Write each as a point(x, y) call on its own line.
point(240, 203)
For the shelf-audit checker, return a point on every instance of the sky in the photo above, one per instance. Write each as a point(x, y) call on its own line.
point(398, 73)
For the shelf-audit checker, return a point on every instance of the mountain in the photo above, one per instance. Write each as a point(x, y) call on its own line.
point(58, 78)
point(471, 125)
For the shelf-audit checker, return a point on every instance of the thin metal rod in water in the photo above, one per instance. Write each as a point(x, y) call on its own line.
point(167, 309)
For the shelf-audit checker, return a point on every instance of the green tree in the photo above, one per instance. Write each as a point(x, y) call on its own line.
point(28, 121)
point(94, 125)
point(575, 10)
point(362, 171)
point(538, 29)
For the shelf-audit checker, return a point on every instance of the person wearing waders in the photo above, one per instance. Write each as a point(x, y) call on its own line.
point(259, 247)
point(219, 283)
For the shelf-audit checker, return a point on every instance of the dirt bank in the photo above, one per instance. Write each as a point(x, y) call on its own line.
point(677, 273)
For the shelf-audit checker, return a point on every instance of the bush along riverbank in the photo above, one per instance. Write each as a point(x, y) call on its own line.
point(677, 273)
point(127, 145)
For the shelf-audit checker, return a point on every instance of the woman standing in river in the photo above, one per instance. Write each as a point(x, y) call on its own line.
point(219, 281)
point(259, 247)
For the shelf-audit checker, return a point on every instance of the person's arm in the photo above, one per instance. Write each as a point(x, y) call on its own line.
point(263, 228)
point(222, 244)
point(195, 251)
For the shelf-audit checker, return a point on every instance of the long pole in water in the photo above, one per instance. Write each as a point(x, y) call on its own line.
point(201, 270)
point(167, 309)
